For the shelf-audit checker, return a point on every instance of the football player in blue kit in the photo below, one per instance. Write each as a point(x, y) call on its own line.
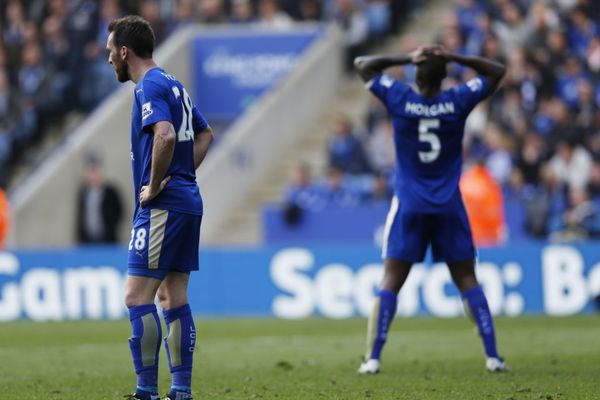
point(169, 140)
point(427, 208)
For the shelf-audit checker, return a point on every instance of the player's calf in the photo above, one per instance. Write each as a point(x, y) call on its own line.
point(180, 343)
point(144, 344)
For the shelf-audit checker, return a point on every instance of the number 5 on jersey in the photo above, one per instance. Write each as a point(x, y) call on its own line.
point(429, 137)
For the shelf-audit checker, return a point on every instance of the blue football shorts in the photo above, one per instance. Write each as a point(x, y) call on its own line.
point(163, 241)
point(408, 233)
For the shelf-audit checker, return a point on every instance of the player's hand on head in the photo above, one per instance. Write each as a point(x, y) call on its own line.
point(147, 193)
point(438, 50)
point(418, 55)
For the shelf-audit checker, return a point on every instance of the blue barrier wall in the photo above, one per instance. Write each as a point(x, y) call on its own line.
point(296, 282)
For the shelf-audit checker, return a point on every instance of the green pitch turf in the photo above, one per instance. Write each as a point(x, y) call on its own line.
point(552, 358)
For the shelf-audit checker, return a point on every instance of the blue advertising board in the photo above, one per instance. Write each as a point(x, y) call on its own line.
point(329, 225)
point(298, 282)
point(233, 67)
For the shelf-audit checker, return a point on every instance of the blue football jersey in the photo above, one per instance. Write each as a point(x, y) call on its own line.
point(161, 97)
point(428, 135)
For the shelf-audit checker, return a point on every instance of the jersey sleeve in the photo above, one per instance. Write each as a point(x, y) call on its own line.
point(199, 123)
point(386, 89)
point(155, 105)
point(469, 93)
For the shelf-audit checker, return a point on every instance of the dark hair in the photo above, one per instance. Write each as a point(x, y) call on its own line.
point(135, 33)
point(433, 69)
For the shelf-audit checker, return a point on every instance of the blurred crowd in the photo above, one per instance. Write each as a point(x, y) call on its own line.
point(53, 59)
point(538, 138)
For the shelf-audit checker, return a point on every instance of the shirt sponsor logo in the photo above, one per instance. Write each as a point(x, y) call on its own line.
point(146, 110)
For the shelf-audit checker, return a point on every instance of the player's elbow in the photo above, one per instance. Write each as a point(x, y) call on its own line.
point(501, 71)
point(359, 63)
point(169, 137)
point(499, 74)
point(209, 134)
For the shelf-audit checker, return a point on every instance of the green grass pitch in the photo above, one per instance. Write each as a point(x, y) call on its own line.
point(552, 358)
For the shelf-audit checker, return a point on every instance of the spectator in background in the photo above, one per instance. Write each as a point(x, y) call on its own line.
point(485, 206)
point(512, 28)
point(270, 15)
point(99, 209)
point(498, 161)
point(571, 165)
point(380, 146)
point(581, 32)
point(594, 184)
point(345, 151)
point(310, 10)
point(570, 73)
point(579, 221)
point(150, 11)
point(242, 12)
point(184, 16)
point(4, 217)
point(14, 31)
point(212, 11)
point(355, 26)
point(545, 203)
point(530, 158)
point(379, 18)
point(94, 90)
point(302, 192)
point(333, 192)
point(33, 79)
point(9, 106)
point(380, 190)
point(5, 143)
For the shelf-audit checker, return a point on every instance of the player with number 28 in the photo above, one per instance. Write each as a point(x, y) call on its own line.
point(169, 140)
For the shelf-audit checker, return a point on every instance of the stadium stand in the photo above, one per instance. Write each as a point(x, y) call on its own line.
point(46, 47)
point(47, 164)
point(539, 136)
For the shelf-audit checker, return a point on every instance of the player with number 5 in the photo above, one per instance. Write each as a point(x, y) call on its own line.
point(427, 209)
point(169, 140)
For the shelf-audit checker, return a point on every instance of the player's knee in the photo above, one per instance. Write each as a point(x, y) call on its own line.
point(466, 282)
point(130, 300)
point(163, 298)
point(133, 299)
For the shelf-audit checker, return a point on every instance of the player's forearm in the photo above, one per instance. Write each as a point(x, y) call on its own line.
point(162, 152)
point(492, 70)
point(370, 66)
point(201, 144)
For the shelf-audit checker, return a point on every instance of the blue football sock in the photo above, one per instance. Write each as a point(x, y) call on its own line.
point(380, 321)
point(483, 318)
point(144, 344)
point(180, 343)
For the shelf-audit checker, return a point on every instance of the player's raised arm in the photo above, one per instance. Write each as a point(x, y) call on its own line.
point(492, 70)
point(162, 154)
point(370, 66)
point(201, 142)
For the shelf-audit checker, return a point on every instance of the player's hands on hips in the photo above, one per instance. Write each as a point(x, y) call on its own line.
point(147, 193)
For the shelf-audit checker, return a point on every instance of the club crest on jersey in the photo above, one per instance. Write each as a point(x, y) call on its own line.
point(146, 110)
point(475, 84)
